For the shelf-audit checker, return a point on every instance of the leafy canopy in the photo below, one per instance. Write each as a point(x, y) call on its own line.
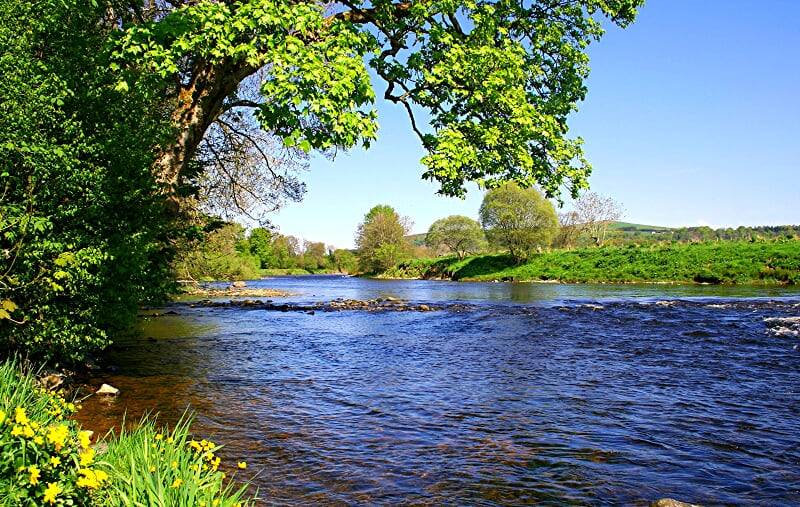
point(497, 78)
point(458, 234)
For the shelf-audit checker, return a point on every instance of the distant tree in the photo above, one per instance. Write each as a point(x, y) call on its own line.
point(344, 261)
point(285, 250)
point(313, 255)
point(260, 242)
point(218, 256)
point(458, 234)
point(380, 238)
point(518, 219)
point(570, 229)
point(596, 212)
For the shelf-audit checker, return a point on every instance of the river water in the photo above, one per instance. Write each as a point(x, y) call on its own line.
point(529, 393)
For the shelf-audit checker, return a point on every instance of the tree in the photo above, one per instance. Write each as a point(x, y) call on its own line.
point(570, 229)
point(285, 250)
point(344, 261)
point(218, 255)
point(459, 234)
point(518, 219)
point(314, 255)
point(260, 245)
point(596, 212)
point(380, 238)
point(497, 79)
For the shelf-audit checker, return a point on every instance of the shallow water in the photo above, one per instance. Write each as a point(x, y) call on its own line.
point(536, 393)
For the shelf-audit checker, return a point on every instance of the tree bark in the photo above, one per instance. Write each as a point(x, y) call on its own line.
point(199, 104)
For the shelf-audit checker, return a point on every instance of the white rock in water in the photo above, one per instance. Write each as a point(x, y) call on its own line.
point(238, 284)
point(669, 502)
point(107, 389)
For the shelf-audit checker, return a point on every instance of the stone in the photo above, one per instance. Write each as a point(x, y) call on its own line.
point(238, 284)
point(670, 502)
point(52, 382)
point(108, 390)
point(424, 308)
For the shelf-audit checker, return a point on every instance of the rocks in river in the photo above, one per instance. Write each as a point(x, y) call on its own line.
point(670, 502)
point(108, 390)
point(783, 326)
point(337, 305)
point(238, 284)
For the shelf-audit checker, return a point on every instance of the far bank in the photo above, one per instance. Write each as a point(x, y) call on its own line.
point(723, 262)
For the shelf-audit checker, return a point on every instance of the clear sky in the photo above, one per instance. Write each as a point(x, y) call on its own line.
point(692, 118)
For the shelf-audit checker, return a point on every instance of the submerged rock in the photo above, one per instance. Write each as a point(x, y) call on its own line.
point(108, 390)
point(670, 502)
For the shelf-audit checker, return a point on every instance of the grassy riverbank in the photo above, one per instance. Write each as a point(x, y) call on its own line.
point(724, 262)
point(47, 459)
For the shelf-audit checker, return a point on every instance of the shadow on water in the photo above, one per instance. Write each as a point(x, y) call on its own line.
point(541, 393)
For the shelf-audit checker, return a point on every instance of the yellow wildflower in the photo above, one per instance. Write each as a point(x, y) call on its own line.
point(16, 431)
point(170, 440)
point(86, 456)
point(101, 476)
point(85, 438)
point(152, 468)
point(20, 416)
point(174, 464)
point(88, 479)
point(35, 474)
point(28, 432)
point(242, 465)
point(177, 483)
point(51, 492)
point(38, 440)
point(159, 436)
point(58, 435)
point(194, 444)
point(2, 417)
point(216, 502)
point(55, 461)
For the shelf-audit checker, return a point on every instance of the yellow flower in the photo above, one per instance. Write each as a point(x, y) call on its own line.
point(216, 502)
point(242, 465)
point(16, 431)
point(2, 417)
point(152, 468)
point(38, 440)
point(177, 483)
point(27, 431)
point(58, 435)
point(87, 456)
point(85, 438)
point(51, 492)
point(174, 464)
point(159, 436)
point(35, 474)
point(101, 476)
point(89, 479)
point(170, 440)
point(55, 461)
point(20, 416)
point(194, 444)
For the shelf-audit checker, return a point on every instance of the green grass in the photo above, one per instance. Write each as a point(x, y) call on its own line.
point(724, 262)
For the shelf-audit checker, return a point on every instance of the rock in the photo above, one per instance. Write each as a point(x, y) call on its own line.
point(238, 284)
point(669, 502)
point(424, 308)
point(52, 382)
point(108, 389)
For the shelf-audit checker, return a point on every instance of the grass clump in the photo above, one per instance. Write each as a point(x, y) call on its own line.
point(47, 459)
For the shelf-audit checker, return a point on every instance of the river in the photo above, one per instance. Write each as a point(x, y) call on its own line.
point(530, 393)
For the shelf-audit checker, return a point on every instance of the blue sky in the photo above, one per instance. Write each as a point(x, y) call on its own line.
point(692, 118)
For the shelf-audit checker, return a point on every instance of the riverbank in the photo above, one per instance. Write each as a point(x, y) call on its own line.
point(46, 457)
point(728, 262)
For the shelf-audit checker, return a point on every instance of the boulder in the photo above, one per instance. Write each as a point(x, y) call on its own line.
point(424, 308)
point(108, 390)
point(238, 284)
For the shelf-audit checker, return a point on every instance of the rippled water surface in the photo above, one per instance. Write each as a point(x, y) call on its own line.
point(534, 393)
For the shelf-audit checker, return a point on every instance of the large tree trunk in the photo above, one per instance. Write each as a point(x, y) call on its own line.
point(199, 104)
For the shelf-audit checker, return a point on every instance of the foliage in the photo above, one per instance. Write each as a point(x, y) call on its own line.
point(726, 262)
point(83, 236)
point(46, 459)
point(518, 219)
point(344, 261)
point(497, 79)
point(456, 233)
point(380, 239)
point(222, 253)
point(594, 213)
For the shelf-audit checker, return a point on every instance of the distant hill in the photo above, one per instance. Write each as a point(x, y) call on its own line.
point(417, 239)
point(629, 227)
